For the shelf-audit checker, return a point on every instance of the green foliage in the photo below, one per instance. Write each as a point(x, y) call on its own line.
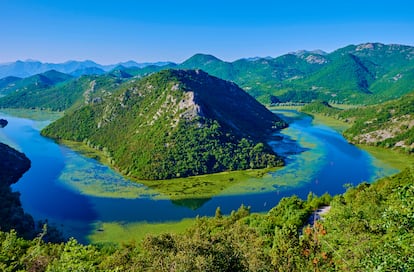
point(70, 94)
point(175, 124)
point(369, 228)
point(6, 84)
point(362, 74)
point(386, 125)
point(21, 92)
point(367, 73)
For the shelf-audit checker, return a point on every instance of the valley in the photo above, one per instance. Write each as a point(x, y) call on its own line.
point(181, 156)
point(317, 160)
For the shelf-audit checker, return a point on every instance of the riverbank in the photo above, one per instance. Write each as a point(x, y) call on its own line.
point(87, 198)
point(394, 158)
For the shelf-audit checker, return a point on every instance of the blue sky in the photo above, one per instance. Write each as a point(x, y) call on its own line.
point(148, 31)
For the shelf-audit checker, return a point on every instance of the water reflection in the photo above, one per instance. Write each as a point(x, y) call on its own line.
point(74, 192)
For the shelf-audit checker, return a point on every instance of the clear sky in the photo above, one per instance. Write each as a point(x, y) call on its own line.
point(161, 30)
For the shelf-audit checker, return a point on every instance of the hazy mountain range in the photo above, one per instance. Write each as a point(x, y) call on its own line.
point(31, 67)
point(367, 73)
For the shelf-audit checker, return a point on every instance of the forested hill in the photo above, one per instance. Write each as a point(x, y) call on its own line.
point(175, 123)
point(58, 96)
point(368, 73)
point(32, 84)
point(13, 165)
point(389, 124)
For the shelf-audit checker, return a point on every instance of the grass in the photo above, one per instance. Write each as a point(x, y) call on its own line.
point(196, 187)
point(86, 151)
point(393, 158)
point(206, 186)
point(115, 232)
point(297, 108)
point(37, 115)
point(319, 119)
point(337, 125)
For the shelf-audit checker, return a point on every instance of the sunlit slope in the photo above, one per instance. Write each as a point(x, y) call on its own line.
point(175, 123)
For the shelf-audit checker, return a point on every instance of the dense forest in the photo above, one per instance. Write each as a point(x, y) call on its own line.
point(175, 123)
point(368, 228)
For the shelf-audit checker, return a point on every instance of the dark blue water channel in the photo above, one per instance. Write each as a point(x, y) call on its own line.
point(318, 160)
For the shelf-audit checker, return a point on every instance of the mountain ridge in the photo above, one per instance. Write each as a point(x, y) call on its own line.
point(367, 73)
point(32, 67)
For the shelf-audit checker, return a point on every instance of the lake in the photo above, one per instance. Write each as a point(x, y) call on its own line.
point(74, 192)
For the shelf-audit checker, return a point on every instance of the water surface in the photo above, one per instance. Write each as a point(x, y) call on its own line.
point(58, 185)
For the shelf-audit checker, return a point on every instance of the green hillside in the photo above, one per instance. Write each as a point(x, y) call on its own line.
point(7, 84)
point(390, 124)
point(59, 97)
point(39, 81)
point(368, 73)
point(24, 93)
point(175, 123)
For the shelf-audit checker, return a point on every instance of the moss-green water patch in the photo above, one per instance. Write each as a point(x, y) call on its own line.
point(115, 232)
point(340, 126)
point(275, 108)
point(393, 158)
point(86, 151)
point(300, 169)
point(79, 174)
point(82, 174)
point(206, 186)
point(38, 115)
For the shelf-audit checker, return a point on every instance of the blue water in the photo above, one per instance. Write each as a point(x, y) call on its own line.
point(318, 160)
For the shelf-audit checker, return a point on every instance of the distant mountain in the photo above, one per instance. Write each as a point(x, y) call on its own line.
point(306, 52)
point(131, 63)
point(70, 93)
point(368, 73)
point(87, 71)
point(120, 72)
point(32, 84)
point(175, 123)
point(365, 73)
point(7, 83)
point(75, 68)
point(30, 68)
point(346, 75)
point(210, 64)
